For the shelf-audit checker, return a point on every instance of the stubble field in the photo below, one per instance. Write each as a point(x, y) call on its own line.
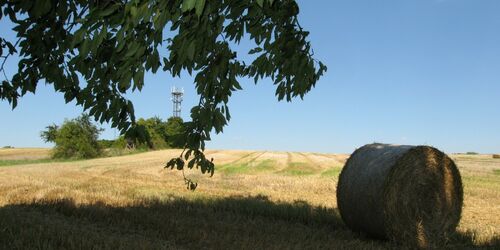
point(256, 200)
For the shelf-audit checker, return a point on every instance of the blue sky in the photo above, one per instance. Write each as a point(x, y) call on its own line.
point(399, 71)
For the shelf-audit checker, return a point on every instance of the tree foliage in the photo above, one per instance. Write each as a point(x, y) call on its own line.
point(111, 44)
point(50, 134)
point(154, 133)
point(75, 138)
point(156, 130)
point(175, 132)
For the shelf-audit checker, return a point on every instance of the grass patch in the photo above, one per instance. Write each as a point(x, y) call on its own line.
point(248, 167)
point(481, 183)
point(298, 169)
point(332, 172)
point(6, 163)
point(107, 153)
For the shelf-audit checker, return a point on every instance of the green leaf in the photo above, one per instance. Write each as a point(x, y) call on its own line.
point(124, 84)
point(78, 37)
point(188, 5)
point(102, 35)
point(109, 10)
point(255, 50)
point(155, 61)
point(171, 164)
point(191, 163)
point(191, 50)
point(200, 5)
point(132, 49)
point(139, 78)
point(260, 3)
point(11, 47)
point(133, 11)
point(180, 163)
point(41, 8)
point(130, 107)
point(84, 48)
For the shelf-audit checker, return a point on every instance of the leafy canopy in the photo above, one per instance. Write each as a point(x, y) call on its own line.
point(174, 132)
point(111, 44)
point(155, 128)
point(50, 134)
point(156, 134)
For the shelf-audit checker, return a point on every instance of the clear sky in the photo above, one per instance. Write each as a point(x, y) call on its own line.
point(399, 71)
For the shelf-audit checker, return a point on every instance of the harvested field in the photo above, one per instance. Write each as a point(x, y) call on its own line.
point(24, 153)
point(271, 200)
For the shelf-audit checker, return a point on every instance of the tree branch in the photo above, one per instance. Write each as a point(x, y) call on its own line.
point(5, 60)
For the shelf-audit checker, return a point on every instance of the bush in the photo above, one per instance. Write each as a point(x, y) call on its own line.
point(120, 142)
point(76, 138)
point(106, 143)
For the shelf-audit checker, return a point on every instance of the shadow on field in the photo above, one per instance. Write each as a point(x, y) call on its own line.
point(178, 223)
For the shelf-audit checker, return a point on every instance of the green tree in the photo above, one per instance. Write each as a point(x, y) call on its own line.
point(156, 129)
point(50, 134)
point(75, 138)
point(138, 136)
point(156, 134)
point(175, 132)
point(149, 133)
point(111, 45)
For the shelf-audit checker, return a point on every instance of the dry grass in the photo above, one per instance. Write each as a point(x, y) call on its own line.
point(24, 153)
point(271, 200)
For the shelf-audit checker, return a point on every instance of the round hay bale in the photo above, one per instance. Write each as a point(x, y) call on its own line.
point(495, 156)
point(410, 194)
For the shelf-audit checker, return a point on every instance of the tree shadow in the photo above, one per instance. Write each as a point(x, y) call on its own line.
point(177, 223)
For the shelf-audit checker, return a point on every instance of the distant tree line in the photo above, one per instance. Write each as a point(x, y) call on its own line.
point(79, 137)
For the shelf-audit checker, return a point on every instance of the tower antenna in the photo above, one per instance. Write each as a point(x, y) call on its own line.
point(177, 94)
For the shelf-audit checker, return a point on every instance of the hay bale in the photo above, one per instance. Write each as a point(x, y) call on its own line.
point(496, 156)
point(410, 194)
